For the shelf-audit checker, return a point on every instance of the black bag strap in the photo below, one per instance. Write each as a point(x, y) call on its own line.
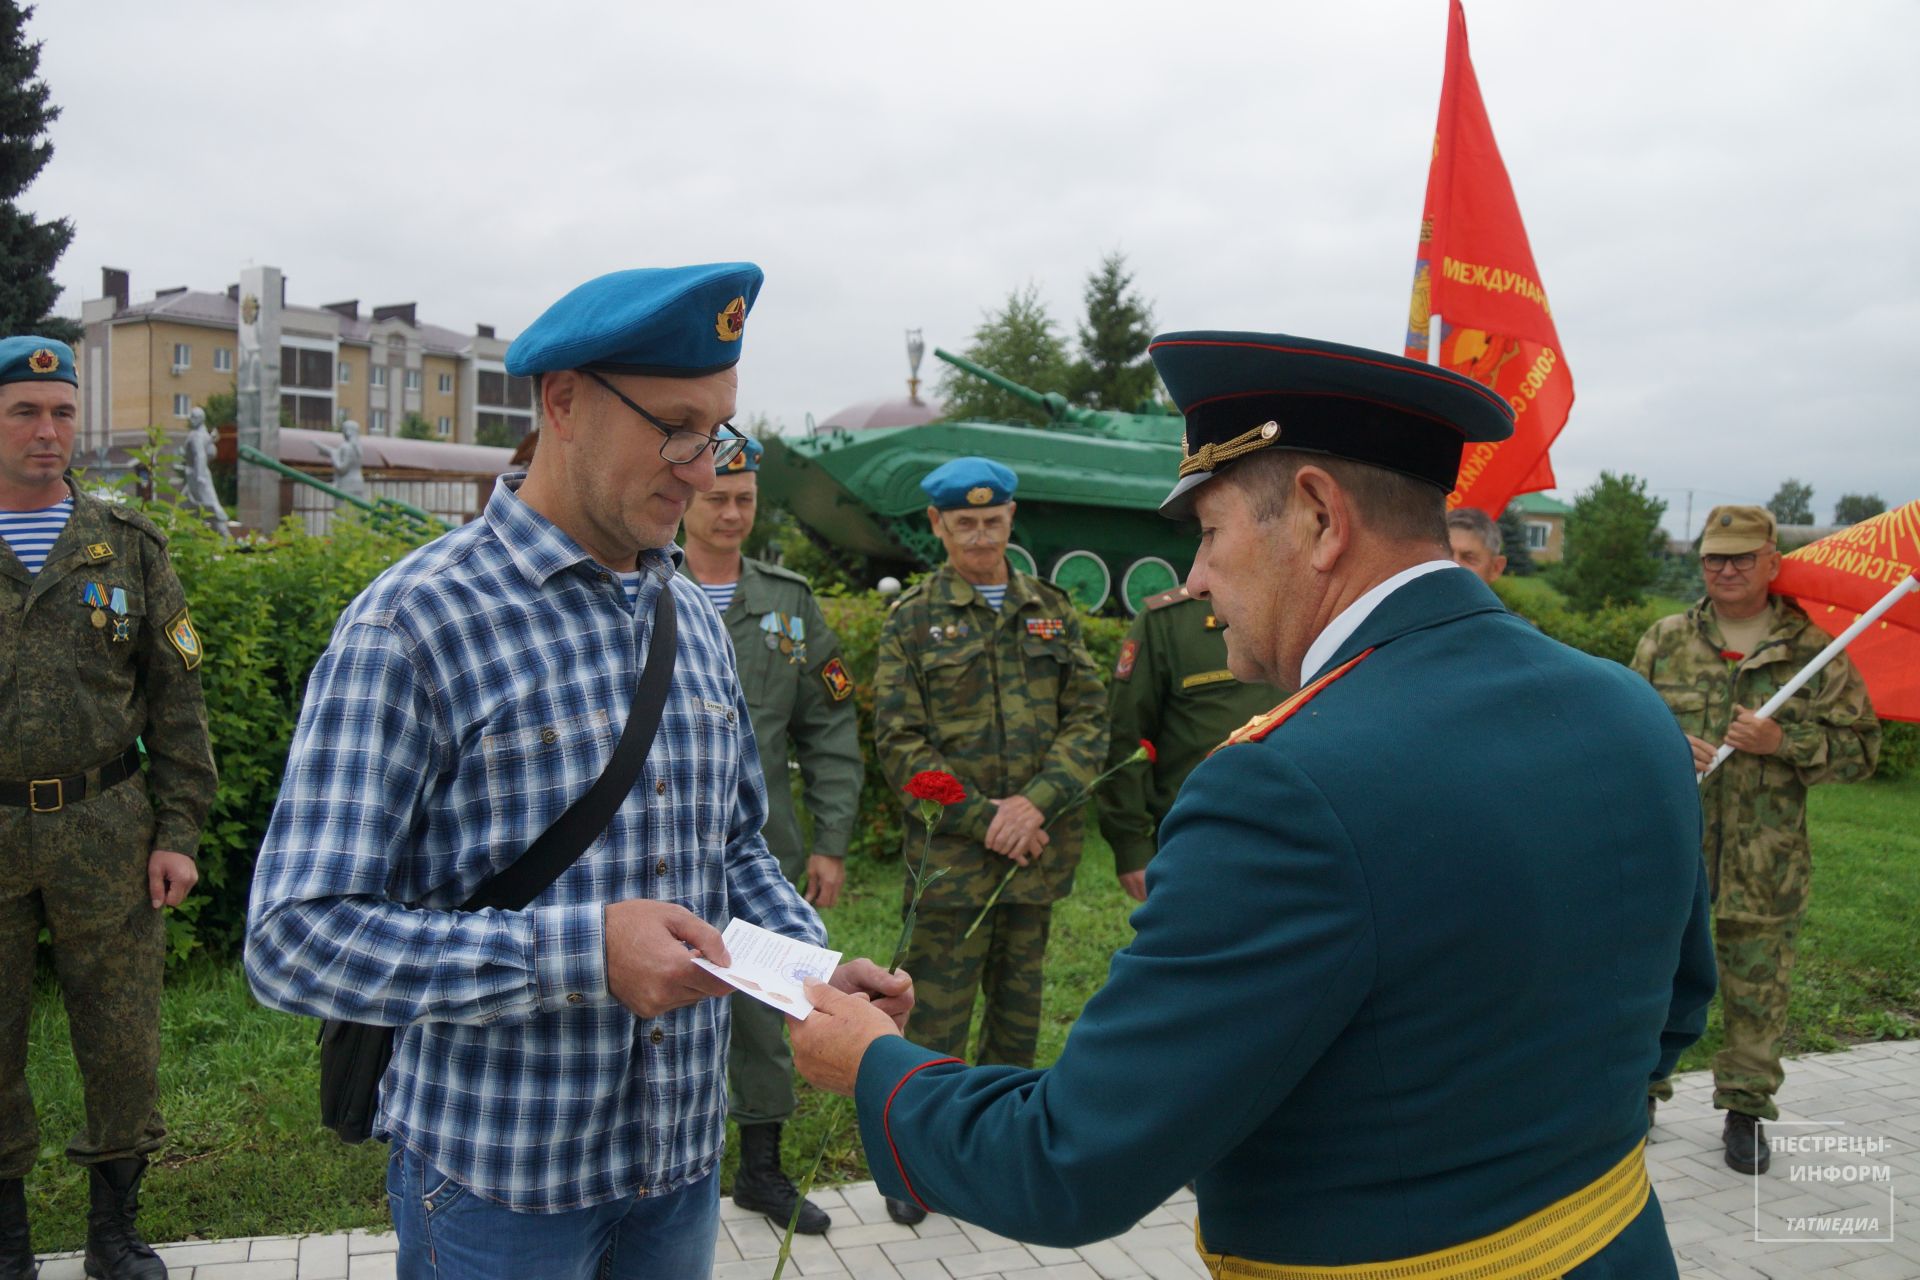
point(561, 844)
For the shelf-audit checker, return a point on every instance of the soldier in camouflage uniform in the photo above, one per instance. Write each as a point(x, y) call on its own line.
point(800, 695)
point(1713, 665)
point(96, 651)
point(1171, 687)
point(982, 673)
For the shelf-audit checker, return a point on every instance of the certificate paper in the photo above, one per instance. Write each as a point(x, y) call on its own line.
point(771, 968)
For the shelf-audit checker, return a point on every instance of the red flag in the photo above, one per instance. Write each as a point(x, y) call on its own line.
point(1475, 270)
point(1841, 576)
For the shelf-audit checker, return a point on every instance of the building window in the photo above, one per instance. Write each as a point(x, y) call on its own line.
point(308, 370)
point(413, 379)
point(310, 413)
point(1538, 531)
point(223, 359)
point(379, 376)
point(509, 392)
point(379, 424)
point(181, 406)
point(446, 427)
point(182, 356)
point(446, 384)
point(346, 373)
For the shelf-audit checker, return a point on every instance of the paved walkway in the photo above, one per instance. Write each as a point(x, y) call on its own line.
point(1861, 1106)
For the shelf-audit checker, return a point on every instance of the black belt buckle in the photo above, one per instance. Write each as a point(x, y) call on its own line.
point(59, 786)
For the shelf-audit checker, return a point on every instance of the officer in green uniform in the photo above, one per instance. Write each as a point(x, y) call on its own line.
point(799, 695)
point(98, 657)
point(1172, 688)
point(1713, 665)
point(982, 673)
point(1384, 1032)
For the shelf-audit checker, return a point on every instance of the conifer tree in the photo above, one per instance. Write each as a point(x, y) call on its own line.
point(29, 248)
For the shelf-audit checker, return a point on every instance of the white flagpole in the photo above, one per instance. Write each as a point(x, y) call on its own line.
point(1433, 337)
point(1826, 655)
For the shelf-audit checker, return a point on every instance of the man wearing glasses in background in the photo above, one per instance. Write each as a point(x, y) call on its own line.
point(1713, 665)
point(557, 1095)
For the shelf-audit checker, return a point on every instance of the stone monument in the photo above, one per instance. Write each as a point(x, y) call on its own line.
point(197, 465)
point(257, 387)
point(346, 463)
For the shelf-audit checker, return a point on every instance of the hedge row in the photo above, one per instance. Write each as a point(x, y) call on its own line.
point(267, 609)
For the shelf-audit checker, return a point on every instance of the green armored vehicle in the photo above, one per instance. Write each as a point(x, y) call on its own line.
point(1087, 518)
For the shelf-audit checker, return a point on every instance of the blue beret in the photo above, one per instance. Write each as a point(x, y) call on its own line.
point(748, 459)
point(31, 359)
point(675, 322)
point(969, 482)
point(1242, 392)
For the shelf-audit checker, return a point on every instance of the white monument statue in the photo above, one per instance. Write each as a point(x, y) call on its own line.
point(346, 461)
point(198, 468)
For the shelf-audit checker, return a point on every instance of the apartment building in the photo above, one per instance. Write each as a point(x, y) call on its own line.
point(153, 360)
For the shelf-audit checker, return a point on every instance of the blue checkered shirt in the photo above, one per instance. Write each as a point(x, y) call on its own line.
point(468, 696)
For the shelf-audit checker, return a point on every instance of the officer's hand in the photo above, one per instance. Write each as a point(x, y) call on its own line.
point(1015, 820)
point(650, 950)
point(170, 878)
point(824, 877)
point(1703, 753)
point(1135, 883)
point(891, 993)
point(828, 1045)
point(1750, 733)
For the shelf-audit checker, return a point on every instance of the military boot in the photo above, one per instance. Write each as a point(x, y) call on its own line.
point(1746, 1141)
point(762, 1186)
point(115, 1250)
point(16, 1250)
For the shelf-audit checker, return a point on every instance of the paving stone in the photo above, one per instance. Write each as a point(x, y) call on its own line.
point(264, 1248)
point(371, 1266)
point(866, 1262)
point(362, 1241)
point(267, 1269)
point(918, 1249)
point(179, 1257)
point(323, 1257)
point(992, 1261)
point(864, 1233)
point(66, 1266)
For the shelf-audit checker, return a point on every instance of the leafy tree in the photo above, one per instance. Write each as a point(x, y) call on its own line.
point(1113, 371)
point(1021, 342)
point(222, 408)
point(1855, 507)
point(1513, 543)
point(500, 432)
point(1793, 503)
point(28, 247)
point(1614, 543)
point(415, 427)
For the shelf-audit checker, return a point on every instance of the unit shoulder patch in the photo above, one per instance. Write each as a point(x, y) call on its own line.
point(98, 551)
point(839, 683)
point(1129, 651)
point(184, 639)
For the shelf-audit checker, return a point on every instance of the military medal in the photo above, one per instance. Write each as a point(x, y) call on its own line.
point(1047, 628)
point(122, 624)
point(96, 595)
point(935, 634)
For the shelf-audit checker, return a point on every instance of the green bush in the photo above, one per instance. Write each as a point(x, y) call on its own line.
point(1899, 750)
point(265, 608)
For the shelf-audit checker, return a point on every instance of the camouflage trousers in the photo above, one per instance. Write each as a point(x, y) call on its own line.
point(1756, 970)
point(1004, 959)
point(82, 874)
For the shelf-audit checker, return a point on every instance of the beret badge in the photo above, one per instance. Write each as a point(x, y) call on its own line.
point(732, 321)
point(979, 496)
point(43, 361)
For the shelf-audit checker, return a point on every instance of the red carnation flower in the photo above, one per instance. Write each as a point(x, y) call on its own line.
point(1731, 656)
point(1153, 756)
point(941, 788)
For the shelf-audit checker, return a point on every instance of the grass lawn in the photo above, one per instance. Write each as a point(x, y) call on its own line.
point(247, 1155)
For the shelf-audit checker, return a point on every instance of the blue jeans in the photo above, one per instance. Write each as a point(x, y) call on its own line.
point(448, 1232)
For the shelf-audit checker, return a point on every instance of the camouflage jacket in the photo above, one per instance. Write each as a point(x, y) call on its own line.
point(1010, 703)
point(79, 682)
point(799, 696)
point(1755, 807)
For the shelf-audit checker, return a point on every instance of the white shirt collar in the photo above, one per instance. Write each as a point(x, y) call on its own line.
point(1348, 620)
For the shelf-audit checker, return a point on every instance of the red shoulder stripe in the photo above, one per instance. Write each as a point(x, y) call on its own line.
point(1267, 721)
point(886, 1123)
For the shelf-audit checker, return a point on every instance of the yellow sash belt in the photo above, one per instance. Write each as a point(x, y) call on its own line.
point(1540, 1246)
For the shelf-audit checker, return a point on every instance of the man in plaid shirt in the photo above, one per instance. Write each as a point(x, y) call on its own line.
point(557, 1096)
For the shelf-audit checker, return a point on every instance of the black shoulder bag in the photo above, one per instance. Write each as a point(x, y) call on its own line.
point(354, 1055)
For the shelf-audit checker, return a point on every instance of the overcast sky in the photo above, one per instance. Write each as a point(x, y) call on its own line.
point(1722, 198)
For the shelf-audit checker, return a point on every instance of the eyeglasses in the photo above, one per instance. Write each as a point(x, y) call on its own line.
point(681, 445)
point(1743, 562)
